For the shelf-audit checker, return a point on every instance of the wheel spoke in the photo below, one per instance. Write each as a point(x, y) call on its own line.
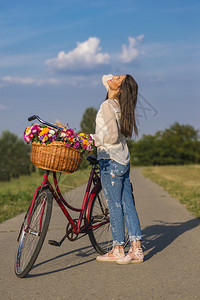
point(32, 237)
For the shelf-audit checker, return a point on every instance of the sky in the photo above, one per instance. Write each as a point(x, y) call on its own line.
point(53, 54)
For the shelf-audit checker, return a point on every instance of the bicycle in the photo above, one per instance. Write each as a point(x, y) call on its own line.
point(93, 219)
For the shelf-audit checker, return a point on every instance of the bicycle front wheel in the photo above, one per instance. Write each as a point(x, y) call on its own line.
point(99, 231)
point(32, 236)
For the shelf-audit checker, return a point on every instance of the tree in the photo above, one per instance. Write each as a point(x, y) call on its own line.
point(88, 121)
point(183, 143)
point(179, 144)
point(14, 156)
point(88, 126)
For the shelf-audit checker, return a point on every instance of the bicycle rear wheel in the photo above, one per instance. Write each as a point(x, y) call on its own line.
point(100, 233)
point(31, 239)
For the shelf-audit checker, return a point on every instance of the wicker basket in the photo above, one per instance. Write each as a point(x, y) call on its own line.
point(55, 157)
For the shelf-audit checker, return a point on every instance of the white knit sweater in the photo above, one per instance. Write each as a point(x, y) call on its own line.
point(110, 143)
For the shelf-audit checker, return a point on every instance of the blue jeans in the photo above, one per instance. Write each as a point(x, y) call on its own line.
point(118, 193)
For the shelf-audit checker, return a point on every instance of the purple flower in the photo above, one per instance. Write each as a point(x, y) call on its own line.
point(46, 135)
point(35, 129)
point(89, 148)
point(76, 145)
point(68, 144)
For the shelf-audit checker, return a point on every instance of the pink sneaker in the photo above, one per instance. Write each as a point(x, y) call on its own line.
point(115, 254)
point(135, 255)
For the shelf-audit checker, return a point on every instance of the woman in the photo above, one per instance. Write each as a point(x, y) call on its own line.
point(115, 122)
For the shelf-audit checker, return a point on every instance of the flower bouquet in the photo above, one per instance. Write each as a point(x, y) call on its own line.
point(57, 150)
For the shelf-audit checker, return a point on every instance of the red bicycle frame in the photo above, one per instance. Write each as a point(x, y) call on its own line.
point(86, 205)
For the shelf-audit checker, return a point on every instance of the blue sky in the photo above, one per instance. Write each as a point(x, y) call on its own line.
point(53, 54)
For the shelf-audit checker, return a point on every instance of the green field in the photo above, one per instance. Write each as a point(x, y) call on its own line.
point(16, 195)
point(182, 182)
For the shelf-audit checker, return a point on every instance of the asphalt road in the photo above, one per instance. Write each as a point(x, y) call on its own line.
point(171, 236)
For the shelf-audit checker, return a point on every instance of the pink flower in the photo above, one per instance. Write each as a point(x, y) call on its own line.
point(46, 134)
point(35, 129)
point(89, 147)
point(68, 144)
point(76, 145)
point(27, 138)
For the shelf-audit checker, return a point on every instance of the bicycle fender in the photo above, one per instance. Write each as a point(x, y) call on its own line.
point(91, 198)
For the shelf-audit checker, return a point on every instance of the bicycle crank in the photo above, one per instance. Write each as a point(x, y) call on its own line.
point(72, 236)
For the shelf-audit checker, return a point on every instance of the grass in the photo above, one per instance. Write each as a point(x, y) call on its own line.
point(16, 195)
point(182, 182)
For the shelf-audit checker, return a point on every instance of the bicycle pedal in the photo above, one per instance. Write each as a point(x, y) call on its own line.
point(54, 243)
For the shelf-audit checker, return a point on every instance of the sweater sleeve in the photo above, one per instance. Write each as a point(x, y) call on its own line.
point(109, 133)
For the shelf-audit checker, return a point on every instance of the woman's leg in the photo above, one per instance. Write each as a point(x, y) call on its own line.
point(112, 183)
point(130, 213)
point(118, 193)
point(112, 189)
point(135, 254)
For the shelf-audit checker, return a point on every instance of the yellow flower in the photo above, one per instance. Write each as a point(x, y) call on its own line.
point(45, 138)
point(28, 129)
point(85, 142)
point(44, 131)
point(82, 134)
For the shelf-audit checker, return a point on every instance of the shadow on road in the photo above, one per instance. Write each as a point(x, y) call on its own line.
point(81, 252)
point(155, 239)
point(158, 237)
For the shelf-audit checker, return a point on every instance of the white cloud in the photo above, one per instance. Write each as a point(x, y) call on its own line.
point(51, 81)
point(76, 81)
point(86, 55)
point(17, 80)
point(131, 52)
point(27, 81)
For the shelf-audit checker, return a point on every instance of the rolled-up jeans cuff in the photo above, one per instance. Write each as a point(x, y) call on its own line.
point(135, 238)
point(115, 243)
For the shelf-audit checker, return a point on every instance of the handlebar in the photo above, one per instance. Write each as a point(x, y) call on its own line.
point(43, 122)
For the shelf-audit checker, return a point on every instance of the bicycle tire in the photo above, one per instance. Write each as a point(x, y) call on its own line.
point(101, 237)
point(30, 244)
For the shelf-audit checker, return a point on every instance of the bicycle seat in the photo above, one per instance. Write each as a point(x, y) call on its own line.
point(92, 160)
